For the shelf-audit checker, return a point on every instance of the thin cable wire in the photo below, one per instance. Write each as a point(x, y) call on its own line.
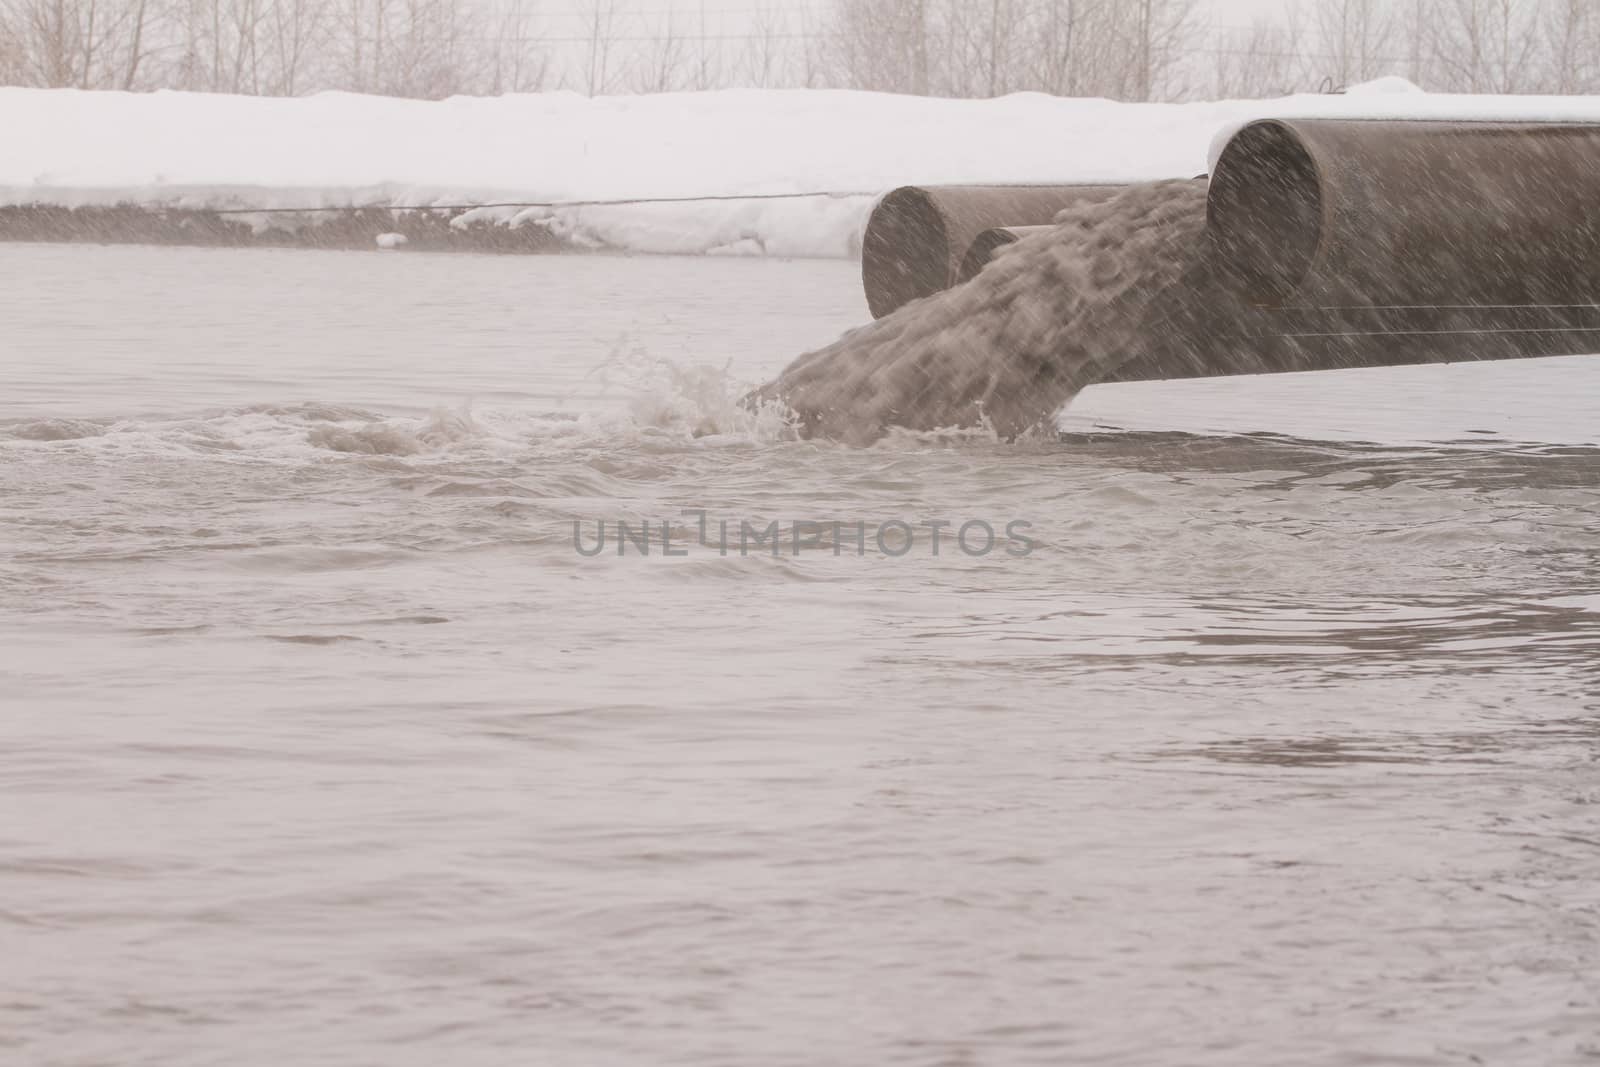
point(1439, 333)
point(618, 202)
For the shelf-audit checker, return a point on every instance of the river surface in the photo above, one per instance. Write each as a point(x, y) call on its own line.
point(1270, 739)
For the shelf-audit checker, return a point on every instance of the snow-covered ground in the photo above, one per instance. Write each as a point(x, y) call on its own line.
point(170, 149)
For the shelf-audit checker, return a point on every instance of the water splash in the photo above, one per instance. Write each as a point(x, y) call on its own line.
point(382, 437)
point(689, 400)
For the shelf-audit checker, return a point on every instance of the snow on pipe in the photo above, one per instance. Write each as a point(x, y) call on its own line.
point(917, 236)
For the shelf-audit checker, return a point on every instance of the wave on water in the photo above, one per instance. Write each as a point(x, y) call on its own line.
point(653, 400)
point(55, 429)
point(672, 406)
point(382, 437)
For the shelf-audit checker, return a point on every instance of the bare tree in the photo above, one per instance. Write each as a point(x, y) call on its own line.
point(982, 47)
point(706, 70)
point(1572, 41)
point(83, 44)
point(138, 23)
point(428, 48)
point(293, 26)
point(1263, 59)
point(659, 66)
point(49, 35)
point(1154, 34)
point(11, 54)
point(763, 61)
point(1484, 45)
point(1127, 49)
point(276, 47)
point(1068, 46)
point(601, 18)
point(1352, 38)
point(515, 63)
point(883, 45)
point(815, 57)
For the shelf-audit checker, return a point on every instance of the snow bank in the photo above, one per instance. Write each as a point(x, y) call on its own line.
point(205, 151)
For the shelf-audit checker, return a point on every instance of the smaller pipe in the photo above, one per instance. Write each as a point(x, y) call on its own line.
point(986, 244)
point(1211, 334)
point(917, 235)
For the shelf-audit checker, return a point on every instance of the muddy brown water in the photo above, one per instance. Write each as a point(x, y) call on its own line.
point(1051, 314)
point(324, 745)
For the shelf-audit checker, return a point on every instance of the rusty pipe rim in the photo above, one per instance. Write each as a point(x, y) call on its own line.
point(1265, 210)
point(905, 252)
point(983, 248)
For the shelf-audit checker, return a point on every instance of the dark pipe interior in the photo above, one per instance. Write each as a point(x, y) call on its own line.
point(1264, 211)
point(917, 236)
point(905, 251)
point(985, 245)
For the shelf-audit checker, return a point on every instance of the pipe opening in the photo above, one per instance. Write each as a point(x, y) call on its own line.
point(1264, 211)
point(905, 252)
point(984, 246)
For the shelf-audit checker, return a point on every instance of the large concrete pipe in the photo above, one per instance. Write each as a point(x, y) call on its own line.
point(917, 235)
point(1380, 214)
point(987, 243)
point(1378, 243)
point(1198, 343)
